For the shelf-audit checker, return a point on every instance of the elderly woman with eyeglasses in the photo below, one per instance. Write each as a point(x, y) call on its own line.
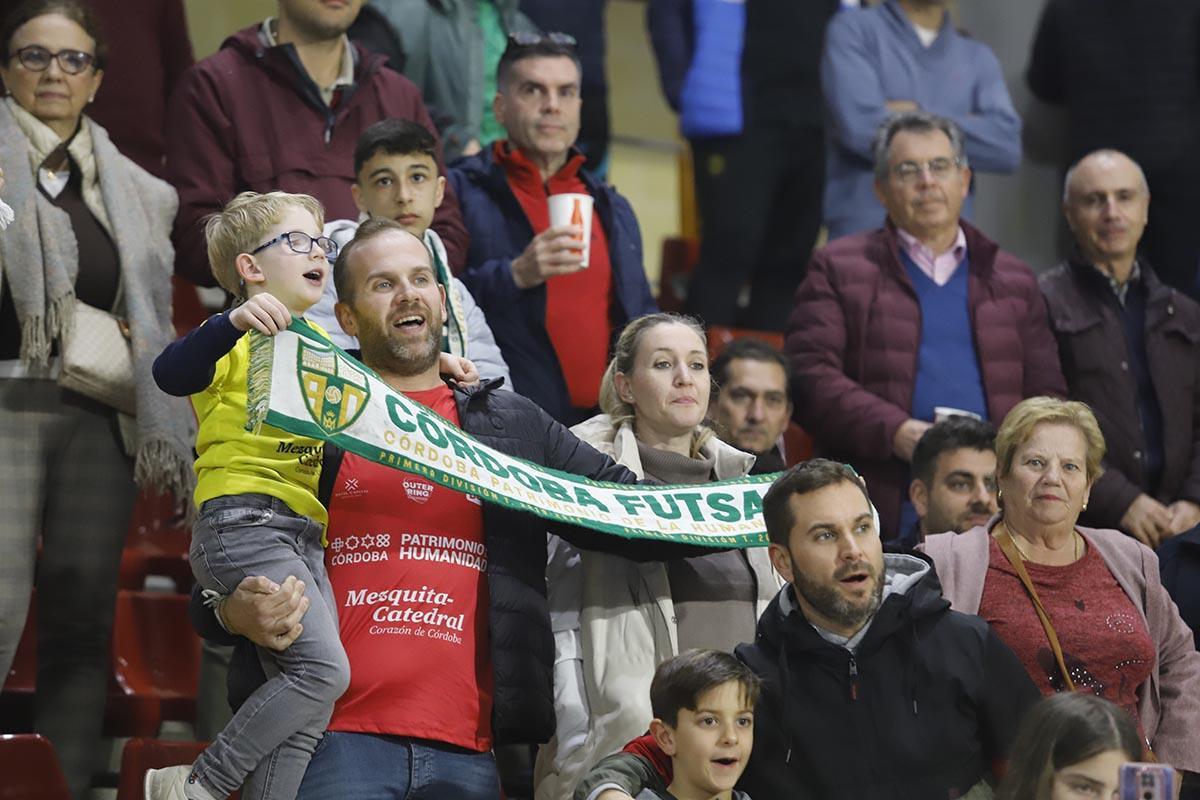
point(92, 229)
point(1082, 608)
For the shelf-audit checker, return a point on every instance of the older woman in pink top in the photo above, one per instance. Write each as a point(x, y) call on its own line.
point(1082, 608)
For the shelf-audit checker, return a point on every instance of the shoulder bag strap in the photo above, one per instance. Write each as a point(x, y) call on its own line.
point(1009, 548)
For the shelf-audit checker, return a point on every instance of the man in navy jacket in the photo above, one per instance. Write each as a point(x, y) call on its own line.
point(553, 318)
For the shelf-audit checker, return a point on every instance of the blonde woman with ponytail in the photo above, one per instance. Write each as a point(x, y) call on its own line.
point(614, 619)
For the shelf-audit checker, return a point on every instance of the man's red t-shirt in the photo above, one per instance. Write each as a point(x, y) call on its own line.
point(578, 317)
point(408, 564)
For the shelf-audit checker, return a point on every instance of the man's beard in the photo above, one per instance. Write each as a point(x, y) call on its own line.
point(381, 351)
point(831, 604)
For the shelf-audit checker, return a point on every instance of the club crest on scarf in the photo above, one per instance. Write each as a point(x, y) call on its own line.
point(335, 391)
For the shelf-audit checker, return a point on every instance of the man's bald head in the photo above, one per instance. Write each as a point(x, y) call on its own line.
point(1101, 159)
point(1106, 201)
point(343, 279)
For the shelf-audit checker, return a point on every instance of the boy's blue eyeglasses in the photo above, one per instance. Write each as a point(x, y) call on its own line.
point(300, 242)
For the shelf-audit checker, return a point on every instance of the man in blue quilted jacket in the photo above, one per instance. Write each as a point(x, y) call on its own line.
point(553, 318)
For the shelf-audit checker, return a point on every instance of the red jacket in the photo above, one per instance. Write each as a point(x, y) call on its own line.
point(248, 118)
point(853, 339)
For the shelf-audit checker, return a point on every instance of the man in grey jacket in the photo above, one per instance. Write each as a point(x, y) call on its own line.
point(451, 49)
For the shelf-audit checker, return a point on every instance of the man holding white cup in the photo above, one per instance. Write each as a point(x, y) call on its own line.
point(574, 210)
point(530, 208)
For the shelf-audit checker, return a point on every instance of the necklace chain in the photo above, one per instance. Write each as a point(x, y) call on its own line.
point(1016, 543)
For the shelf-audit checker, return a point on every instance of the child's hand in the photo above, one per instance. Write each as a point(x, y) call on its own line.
point(263, 313)
point(461, 370)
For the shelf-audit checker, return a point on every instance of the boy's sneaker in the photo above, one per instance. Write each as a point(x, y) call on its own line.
point(167, 783)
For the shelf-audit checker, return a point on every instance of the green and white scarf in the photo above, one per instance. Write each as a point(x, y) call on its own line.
point(301, 382)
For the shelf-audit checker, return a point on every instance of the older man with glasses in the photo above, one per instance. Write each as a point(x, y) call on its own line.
point(552, 300)
point(922, 319)
point(897, 56)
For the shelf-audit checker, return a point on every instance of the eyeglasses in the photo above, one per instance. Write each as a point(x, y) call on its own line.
point(300, 242)
point(524, 39)
point(36, 58)
point(939, 168)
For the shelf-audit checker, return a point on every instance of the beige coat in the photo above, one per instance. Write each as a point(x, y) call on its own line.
point(614, 622)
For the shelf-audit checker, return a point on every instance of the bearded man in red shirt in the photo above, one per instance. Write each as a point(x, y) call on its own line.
point(441, 597)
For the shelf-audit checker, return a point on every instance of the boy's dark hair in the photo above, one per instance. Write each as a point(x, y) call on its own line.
point(679, 681)
point(547, 46)
point(396, 137)
point(748, 349)
point(949, 434)
point(804, 478)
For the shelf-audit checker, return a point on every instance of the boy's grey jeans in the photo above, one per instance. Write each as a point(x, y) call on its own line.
point(271, 738)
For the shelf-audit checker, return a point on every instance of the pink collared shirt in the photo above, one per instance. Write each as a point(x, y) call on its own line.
point(939, 267)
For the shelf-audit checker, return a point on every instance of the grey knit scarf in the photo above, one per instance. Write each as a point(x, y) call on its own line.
point(39, 262)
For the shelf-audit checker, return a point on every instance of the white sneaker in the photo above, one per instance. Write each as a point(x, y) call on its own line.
point(166, 783)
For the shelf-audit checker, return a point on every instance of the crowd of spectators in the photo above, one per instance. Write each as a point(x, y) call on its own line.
point(1005, 454)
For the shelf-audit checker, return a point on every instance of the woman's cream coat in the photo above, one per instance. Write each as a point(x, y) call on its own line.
point(614, 622)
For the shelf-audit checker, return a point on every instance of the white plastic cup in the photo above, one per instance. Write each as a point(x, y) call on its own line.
point(943, 413)
point(573, 209)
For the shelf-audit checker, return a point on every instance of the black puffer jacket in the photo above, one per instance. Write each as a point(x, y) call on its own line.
point(929, 700)
point(521, 642)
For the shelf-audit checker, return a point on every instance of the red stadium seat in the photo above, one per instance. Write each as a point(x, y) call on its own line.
point(143, 754)
point(22, 676)
point(16, 700)
point(157, 544)
point(797, 445)
point(29, 769)
point(719, 337)
point(679, 257)
point(156, 664)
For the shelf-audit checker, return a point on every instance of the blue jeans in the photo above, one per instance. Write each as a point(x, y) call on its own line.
point(369, 766)
point(271, 738)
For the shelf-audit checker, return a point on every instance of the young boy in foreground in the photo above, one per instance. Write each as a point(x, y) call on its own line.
point(703, 702)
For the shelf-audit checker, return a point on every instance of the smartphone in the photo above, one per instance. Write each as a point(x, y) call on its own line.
point(1147, 782)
